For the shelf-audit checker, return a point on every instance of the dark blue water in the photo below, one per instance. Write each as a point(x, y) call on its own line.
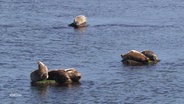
point(33, 30)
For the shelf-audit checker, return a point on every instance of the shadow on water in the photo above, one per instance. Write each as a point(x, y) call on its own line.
point(44, 89)
point(81, 29)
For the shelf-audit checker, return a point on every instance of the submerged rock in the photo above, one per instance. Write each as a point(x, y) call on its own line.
point(40, 74)
point(44, 83)
point(79, 21)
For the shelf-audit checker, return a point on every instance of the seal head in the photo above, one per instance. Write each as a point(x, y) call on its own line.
point(79, 21)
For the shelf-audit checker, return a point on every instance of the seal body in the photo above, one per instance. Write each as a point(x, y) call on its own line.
point(40, 74)
point(59, 76)
point(79, 21)
point(151, 55)
point(64, 76)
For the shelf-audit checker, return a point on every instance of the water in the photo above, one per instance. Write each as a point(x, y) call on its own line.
point(33, 30)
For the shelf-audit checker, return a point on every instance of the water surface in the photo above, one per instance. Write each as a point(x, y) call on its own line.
point(33, 30)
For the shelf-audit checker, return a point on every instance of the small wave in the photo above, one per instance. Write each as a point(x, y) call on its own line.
point(59, 27)
point(6, 25)
point(15, 95)
point(129, 25)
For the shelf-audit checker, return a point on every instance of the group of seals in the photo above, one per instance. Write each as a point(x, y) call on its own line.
point(135, 58)
point(61, 76)
point(65, 76)
point(79, 21)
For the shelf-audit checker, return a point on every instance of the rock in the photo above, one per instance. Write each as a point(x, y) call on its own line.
point(79, 21)
point(40, 74)
point(44, 83)
point(136, 56)
point(132, 63)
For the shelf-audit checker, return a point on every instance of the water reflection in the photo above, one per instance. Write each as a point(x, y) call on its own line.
point(69, 86)
point(81, 29)
point(43, 89)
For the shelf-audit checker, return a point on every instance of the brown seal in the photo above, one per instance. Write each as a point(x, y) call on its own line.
point(40, 74)
point(64, 76)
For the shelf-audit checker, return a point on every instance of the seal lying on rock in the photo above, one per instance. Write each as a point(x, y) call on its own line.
point(79, 21)
point(64, 76)
point(151, 55)
point(40, 74)
point(135, 58)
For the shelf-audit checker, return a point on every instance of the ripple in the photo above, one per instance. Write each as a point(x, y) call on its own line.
point(129, 25)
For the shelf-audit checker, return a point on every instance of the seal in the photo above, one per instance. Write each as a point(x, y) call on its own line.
point(151, 55)
point(64, 76)
point(40, 74)
point(60, 76)
point(136, 56)
point(79, 21)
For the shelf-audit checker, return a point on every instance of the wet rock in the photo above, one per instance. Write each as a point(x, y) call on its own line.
point(44, 83)
point(132, 63)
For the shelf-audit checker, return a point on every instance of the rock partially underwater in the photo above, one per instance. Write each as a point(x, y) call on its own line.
point(42, 77)
point(135, 58)
point(44, 83)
